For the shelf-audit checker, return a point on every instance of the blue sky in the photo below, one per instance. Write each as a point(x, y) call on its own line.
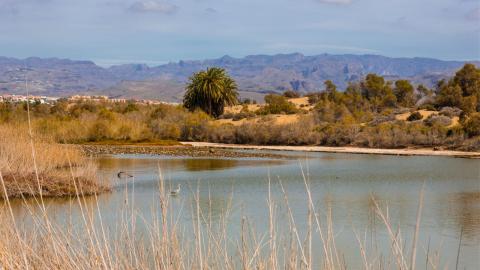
point(158, 31)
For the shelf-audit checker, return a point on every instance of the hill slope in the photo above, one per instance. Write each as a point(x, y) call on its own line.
point(255, 74)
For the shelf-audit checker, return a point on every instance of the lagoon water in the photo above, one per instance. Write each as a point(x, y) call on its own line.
point(341, 184)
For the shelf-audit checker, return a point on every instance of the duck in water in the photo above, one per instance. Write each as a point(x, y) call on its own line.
point(175, 192)
point(122, 174)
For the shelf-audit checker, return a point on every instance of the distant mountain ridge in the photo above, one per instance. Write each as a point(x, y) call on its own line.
point(255, 74)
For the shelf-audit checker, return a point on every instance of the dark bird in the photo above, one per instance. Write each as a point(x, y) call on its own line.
point(124, 175)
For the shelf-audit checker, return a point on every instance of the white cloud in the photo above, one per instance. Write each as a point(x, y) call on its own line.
point(335, 2)
point(153, 6)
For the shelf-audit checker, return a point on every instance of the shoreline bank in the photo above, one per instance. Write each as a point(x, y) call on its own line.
point(346, 150)
point(180, 150)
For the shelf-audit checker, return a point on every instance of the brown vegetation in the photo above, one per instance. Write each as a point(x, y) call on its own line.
point(36, 166)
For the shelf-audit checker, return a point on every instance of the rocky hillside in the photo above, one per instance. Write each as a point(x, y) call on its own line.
point(256, 74)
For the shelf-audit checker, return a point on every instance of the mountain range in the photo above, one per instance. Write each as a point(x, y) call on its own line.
point(256, 75)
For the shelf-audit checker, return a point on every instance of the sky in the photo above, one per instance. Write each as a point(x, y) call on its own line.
point(160, 31)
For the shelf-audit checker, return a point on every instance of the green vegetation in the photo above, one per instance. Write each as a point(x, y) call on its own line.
point(472, 125)
point(291, 94)
point(365, 114)
point(404, 93)
point(415, 116)
point(211, 91)
point(277, 104)
point(462, 91)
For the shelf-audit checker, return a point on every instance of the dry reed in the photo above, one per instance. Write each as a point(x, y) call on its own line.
point(47, 244)
point(37, 166)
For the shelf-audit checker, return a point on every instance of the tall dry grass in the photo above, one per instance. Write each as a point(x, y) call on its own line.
point(33, 165)
point(202, 244)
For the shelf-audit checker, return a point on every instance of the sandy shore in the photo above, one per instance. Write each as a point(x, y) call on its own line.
point(350, 150)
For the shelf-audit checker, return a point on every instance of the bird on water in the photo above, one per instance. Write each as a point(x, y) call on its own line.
point(176, 191)
point(124, 175)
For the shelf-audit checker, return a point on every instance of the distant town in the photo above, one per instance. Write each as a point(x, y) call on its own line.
point(76, 98)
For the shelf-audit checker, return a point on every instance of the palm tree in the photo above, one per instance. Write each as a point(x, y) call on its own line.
point(210, 90)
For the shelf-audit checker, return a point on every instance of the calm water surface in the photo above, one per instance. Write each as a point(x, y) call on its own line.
point(344, 183)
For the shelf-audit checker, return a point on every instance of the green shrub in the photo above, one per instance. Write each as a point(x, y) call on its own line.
point(314, 98)
point(291, 94)
point(415, 116)
point(277, 104)
point(472, 125)
point(328, 111)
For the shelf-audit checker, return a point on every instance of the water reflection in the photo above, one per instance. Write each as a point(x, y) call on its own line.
point(209, 164)
point(467, 212)
point(215, 207)
point(179, 164)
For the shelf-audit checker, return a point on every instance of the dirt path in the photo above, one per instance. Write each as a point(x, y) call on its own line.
point(352, 150)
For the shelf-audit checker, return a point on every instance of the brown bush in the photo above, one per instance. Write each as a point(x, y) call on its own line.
point(165, 130)
point(33, 166)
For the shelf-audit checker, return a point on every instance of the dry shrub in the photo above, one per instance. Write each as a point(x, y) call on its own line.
point(472, 144)
point(165, 130)
point(450, 111)
point(265, 131)
point(72, 131)
point(31, 166)
point(337, 134)
point(440, 120)
point(224, 133)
